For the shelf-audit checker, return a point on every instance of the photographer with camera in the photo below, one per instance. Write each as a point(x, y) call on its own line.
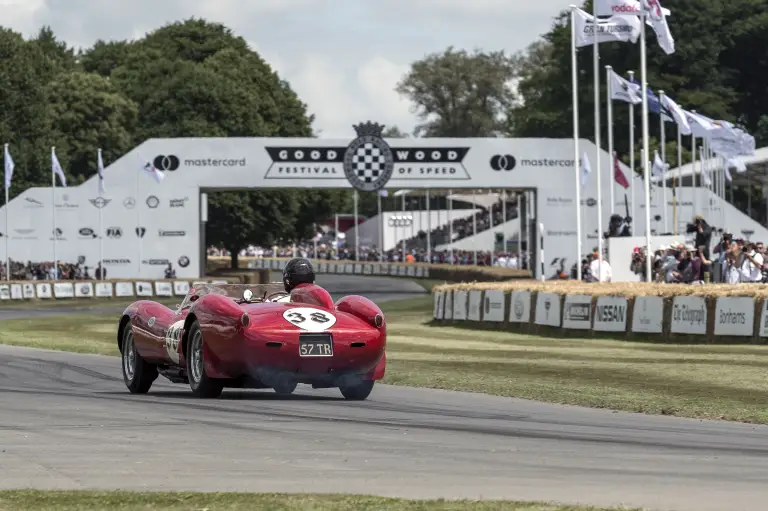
point(721, 250)
point(703, 234)
point(752, 264)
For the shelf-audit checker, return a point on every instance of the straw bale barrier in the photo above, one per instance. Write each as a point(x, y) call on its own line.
point(712, 313)
point(443, 272)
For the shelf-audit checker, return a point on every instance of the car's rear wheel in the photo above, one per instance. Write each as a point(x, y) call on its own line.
point(200, 383)
point(138, 374)
point(357, 392)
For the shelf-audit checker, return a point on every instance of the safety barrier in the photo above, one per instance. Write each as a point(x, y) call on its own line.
point(679, 318)
point(410, 270)
point(106, 289)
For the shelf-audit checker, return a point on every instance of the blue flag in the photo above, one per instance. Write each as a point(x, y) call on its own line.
point(654, 103)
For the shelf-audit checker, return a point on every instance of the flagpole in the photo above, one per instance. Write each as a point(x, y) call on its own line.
point(429, 230)
point(402, 207)
point(679, 180)
point(474, 223)
point(7, 215)
point(101, 221)
point(596, 72)
point(693, 174)
point(646, 177)
point(450, 225)
point(609, 96)
point(575, 99)
point(632, 151)
point(381, 226)
point(663, 151)
point(138, 218)
point(357, 233)
point(53, 197)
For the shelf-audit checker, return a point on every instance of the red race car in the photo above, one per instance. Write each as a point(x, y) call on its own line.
point(255, 336)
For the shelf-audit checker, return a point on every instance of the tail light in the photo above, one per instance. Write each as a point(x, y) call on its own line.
point(378, 320)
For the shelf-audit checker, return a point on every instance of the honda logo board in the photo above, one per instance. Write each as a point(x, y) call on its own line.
point(577, 311)
point(116, 262)
point(368, 162)
point(168, 234)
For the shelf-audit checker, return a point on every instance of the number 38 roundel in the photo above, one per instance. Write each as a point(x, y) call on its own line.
point(310, 319)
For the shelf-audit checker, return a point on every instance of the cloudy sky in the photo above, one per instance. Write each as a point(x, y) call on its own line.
point(343, 57)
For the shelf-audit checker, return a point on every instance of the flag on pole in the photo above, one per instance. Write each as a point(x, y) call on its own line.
point(586, 169)
point(618, 175)
point(622, 8)
point(100, 170)
point(9, 166)
point(383, 193)
point(678, 114)
point(700, 126)
point(615, 29)
point(657, 19)
point(659, 167)
point(624, 90)
point(156, 174)
point(654, 104)
point(56, 168)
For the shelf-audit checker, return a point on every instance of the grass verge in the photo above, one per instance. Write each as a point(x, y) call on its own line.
point(701, 381)
point(128, 501)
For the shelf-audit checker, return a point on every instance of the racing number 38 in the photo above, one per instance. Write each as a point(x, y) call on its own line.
point(310, 319)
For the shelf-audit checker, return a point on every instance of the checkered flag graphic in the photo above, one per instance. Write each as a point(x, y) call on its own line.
point(369, 162)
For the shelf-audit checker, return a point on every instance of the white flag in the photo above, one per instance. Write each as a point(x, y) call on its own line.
point(586, 169)
point(678, 114)
point(9, 166)
point(622, 8)
point(156, 174)
point(56, 168)
point(657, 19)
point(623, 90)
point(659, 168)
point(737, 163)
point(100, 170)
point(616, 29)
point(700, 126)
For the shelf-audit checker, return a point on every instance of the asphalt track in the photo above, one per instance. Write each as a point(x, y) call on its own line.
point(67, 422)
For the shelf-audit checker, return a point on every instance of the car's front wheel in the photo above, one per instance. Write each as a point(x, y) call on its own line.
point(358, 391)
point(138, 374)
point(200, 383)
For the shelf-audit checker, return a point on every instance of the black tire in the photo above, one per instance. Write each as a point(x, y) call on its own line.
point(201, 384)
point(358, 392)
point(285, 388)
point(138, 374)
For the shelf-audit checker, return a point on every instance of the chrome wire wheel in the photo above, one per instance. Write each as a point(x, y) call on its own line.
point(129, 356)
point(196, 355)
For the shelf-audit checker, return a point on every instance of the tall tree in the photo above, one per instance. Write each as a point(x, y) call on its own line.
point(460, 94)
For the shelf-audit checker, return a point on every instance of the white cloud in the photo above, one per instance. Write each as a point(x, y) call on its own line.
point(343, 57)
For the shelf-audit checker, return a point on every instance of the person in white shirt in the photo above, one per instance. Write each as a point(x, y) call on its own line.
point(752, 265)
point(601, 269)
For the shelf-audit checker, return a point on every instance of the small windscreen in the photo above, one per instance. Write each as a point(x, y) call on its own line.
point(259, 292)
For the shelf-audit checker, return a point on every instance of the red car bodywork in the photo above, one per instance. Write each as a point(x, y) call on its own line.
point(255, 345)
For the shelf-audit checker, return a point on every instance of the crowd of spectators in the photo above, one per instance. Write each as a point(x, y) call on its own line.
point(46, 270)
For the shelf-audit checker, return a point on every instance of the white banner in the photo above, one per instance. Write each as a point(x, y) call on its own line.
point(460, 305)
point(493, 306)
point(163, 288)
point(448, 307)
point(143, 289)
point(577, 312)
point(735, 316)
point(44, 290)
point(28, 290)
point(520, 307)
point(689, 315)
point(180, 288)
point(17, 293)
point(473, 309)
point(63, 290)
point(615, 29)
point(84, 289)
point(547, 309)
point(764, 320)
point(648, 314)
point(437, 312)
point(610, 314)
point(104, 289)
point(5, 292)
point(124, 289)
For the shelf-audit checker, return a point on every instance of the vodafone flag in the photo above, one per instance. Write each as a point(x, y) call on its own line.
point(621, 8)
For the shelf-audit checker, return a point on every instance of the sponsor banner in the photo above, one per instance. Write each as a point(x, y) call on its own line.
point(367, 269)
point(5, 292)
point(411, 271)
point(349, 268)
point(28, 290)
point(648, 314)
point(419, 271)
point(322, 268)
point(520, 307)
point(577, 312)
point(180, 288)
point(610, 314)
point(426, 273)
point(735, 315)
point(401, 271)
point(63, 290)
point(44, 290)
point(493, 306)
point(460, 305)
point(473, 309)
point(281, 265)
point(17, 293)
point(548, 309)
point(763, 330)
point(393, 270)
point(437, 312)
point(143, 289)
point(163, 289)
point(689, 315)
point(84, 289)
point(104, 289)
point(448, 307)
point(124, 289)
point(219, 282)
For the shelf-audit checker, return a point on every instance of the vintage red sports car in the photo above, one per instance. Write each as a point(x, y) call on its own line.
point(255, 336)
